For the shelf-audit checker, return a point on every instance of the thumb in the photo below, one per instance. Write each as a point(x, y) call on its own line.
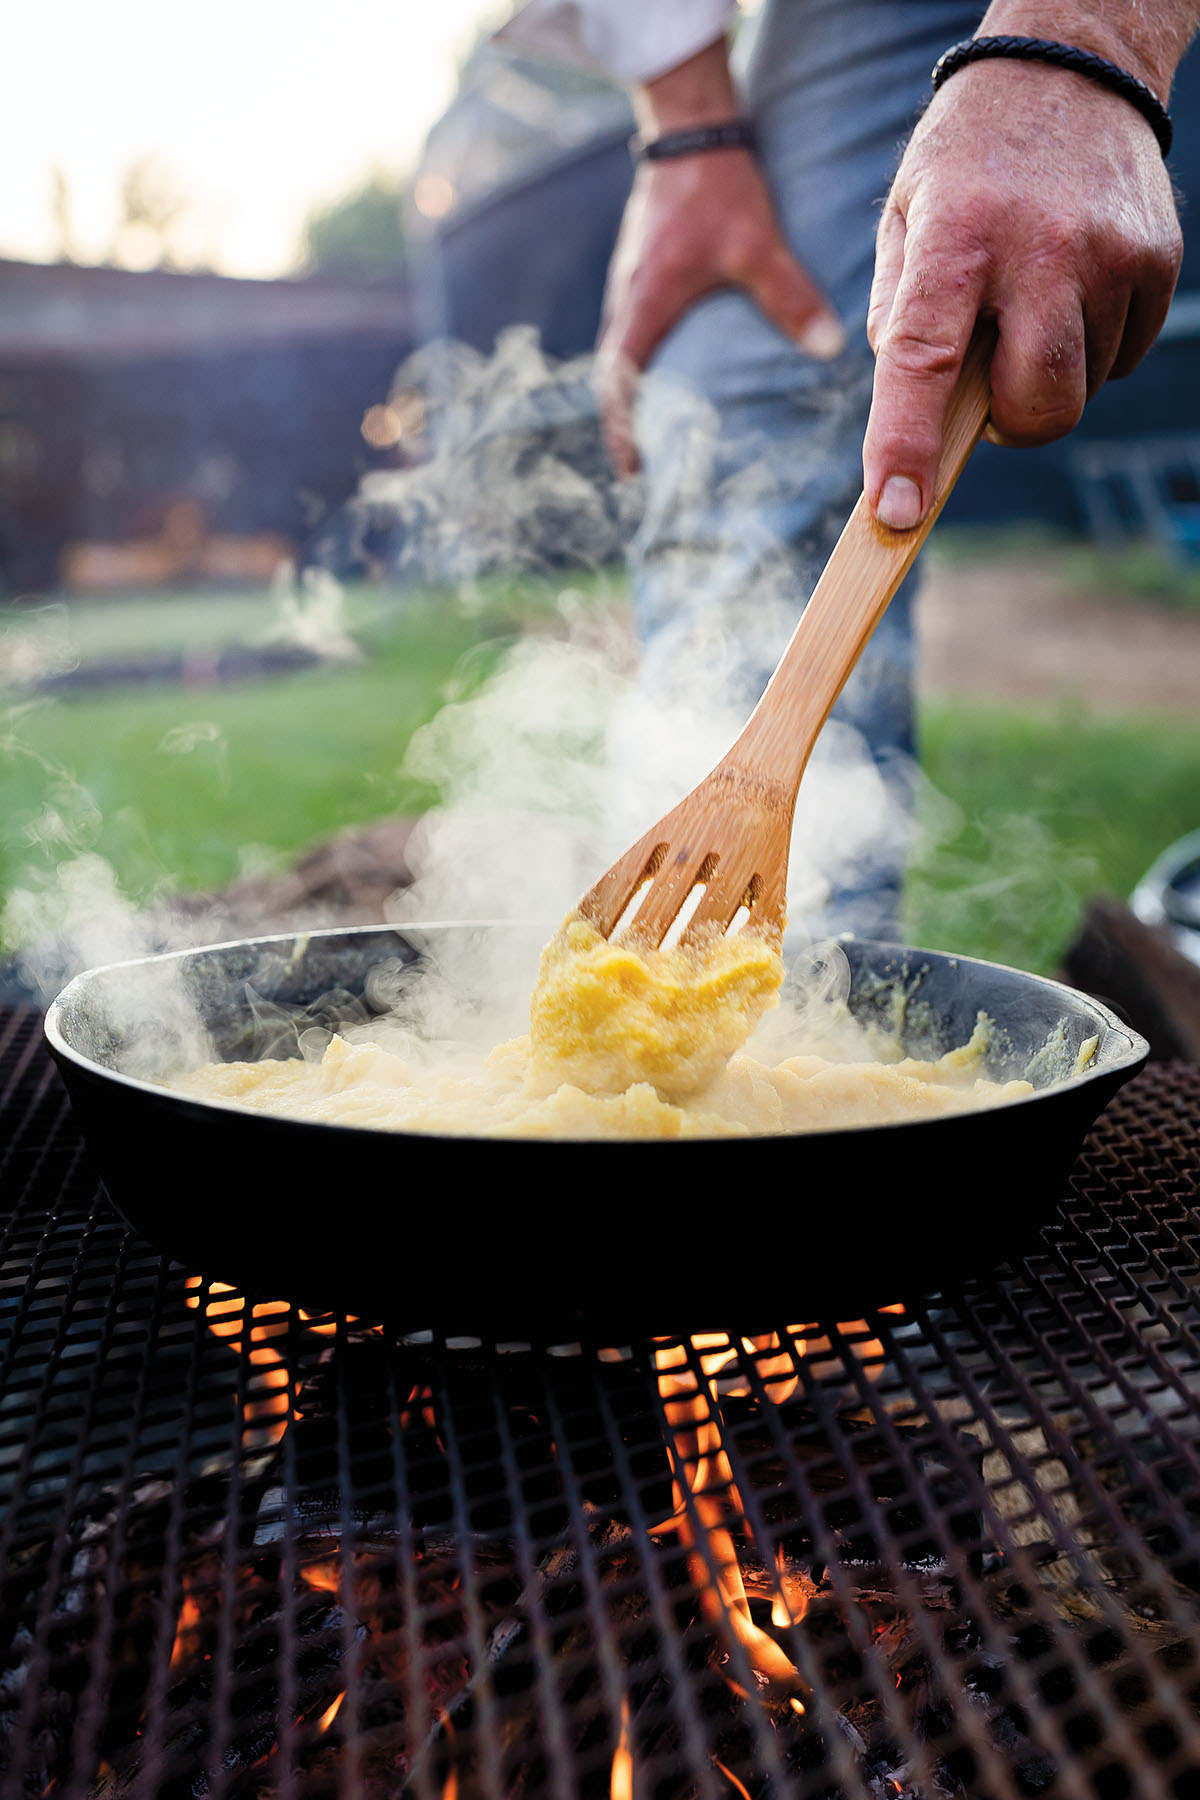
point(791, 299)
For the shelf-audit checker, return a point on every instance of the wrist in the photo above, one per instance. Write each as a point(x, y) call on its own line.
point(1070, 59)
point(1118, 32)
point(697, 92)
point(697, 140)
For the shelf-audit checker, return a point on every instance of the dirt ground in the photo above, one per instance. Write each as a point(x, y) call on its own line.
point(1016, 628)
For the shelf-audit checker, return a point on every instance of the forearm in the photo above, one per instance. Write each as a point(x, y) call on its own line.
point(1147, 37)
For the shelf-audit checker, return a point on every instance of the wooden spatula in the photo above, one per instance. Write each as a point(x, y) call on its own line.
point(732, 833)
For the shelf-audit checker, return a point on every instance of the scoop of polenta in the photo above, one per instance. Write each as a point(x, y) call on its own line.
point(607, 1016)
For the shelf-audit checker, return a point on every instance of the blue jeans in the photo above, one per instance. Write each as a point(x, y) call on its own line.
point(752, 451)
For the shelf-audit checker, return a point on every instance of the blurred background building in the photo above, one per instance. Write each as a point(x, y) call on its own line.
point(159, 426)
point(532, 225)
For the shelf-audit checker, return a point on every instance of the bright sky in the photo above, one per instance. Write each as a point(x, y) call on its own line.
point(261, 106)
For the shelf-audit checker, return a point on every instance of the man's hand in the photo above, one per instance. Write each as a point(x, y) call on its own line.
point(1032, 195)
point(693, 225)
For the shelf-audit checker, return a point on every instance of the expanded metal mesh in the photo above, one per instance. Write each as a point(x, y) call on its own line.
point(950, 1551)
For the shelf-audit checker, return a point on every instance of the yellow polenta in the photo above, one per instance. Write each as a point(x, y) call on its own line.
point(624, 1043)
point(606, 1016)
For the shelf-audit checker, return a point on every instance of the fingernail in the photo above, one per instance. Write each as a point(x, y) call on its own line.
point(899, 503)
point(825, 338)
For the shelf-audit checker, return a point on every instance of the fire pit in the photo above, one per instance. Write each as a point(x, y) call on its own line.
point(950, 1550)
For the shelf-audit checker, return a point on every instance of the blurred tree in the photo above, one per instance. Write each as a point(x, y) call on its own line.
point(62, 211)
point(359, 233)
point(154, 203)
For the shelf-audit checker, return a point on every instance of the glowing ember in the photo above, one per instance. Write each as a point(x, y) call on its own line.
point(323, 1576)
point(709, 1516)
point(791, 1601)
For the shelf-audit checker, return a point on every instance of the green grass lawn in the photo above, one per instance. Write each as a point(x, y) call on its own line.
point(1046, 808)
point(114, 628)
point(1028, 812)
point(178, 785)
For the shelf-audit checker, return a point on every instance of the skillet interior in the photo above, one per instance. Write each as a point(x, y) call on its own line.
point(536, 1239)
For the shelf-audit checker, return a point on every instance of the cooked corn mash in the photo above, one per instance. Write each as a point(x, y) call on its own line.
point(607, 1017)
point(623, 1043)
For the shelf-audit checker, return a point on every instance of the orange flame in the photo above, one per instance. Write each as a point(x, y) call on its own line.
point(450, 1786)
point(266, 1411)
point(620, 1785)
point(186, 1629)
point(703, 1475)
point(698, 1460)
point(791, 1600)
point(738, 1786)
point(330, 1714)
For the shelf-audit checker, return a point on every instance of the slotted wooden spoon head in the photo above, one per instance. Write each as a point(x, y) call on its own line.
point(732, 833)
point(730, 836)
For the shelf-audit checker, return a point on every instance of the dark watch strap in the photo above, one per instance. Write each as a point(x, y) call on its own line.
point(1107, 74)
point(732, 134)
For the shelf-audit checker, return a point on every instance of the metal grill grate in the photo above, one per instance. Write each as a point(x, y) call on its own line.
point(249, 1551)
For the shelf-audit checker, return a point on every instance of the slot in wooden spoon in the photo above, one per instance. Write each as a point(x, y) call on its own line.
point(732, 833)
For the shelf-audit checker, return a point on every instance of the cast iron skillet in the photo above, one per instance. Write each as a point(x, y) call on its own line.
point(548, 1240)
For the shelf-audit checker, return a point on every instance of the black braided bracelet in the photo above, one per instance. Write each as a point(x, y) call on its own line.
point(1063, 56)
point(732, 134)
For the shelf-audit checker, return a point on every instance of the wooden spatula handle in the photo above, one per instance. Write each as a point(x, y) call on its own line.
point(868, 564)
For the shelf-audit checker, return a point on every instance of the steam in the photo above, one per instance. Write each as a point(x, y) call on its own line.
point(35, 647)
point(149, 1017)
point(1008, 861)
point(310, 613)
point(64, 908)
point(577, 741)
point(512, 474)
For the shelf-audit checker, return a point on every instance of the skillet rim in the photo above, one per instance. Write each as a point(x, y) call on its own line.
point(1102, 1068)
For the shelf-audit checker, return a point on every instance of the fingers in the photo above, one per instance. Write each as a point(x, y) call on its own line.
point(924, 307)
point(615, 381)
point(1039, 369)
point(621, 355)
point(1035, 201)
point(639, 308)
point(643, 307)
point(690, 231)
point(790, 298)
point(1105, 317)
point(889, 266)
point(643, 316)
point(918, 353)
point(1148, 307)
